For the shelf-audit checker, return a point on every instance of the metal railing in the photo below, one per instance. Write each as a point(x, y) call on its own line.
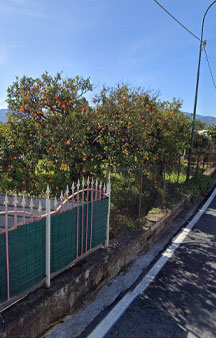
point(80, 202)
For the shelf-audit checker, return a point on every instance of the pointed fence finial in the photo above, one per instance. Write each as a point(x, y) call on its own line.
point(23, 202)
point(88, 181)
point(55, 203)
point(67, 191)
point(39, 207)
point(47, 191)
point(83, 182)
point(31, 204)
point(78, 184)
point(15, 202)
point(72, 188)
point(61, 196)
point(92, 182)
point(6, 201)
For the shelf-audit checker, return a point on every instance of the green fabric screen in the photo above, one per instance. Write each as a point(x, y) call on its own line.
point(26, 258)
point(27, 246)
point(63, 233)
point(3, 281)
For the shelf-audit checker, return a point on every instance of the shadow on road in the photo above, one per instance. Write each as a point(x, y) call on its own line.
point(181, 302)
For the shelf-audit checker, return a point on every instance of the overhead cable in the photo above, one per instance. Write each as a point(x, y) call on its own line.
point(203, 43)
point(209, 68)
point(181, 24)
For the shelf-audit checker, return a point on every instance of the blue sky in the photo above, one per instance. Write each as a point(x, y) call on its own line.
point(111, 41)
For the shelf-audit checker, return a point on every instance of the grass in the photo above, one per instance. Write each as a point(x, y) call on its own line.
point(155, 211)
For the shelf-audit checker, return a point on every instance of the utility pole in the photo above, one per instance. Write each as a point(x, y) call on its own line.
point(202, 45)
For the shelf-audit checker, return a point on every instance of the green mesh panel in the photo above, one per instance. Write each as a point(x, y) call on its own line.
point(27, 246)
point(3, 282)
point(26, 258)
point(63, 239)
point(99, 222)
point(64, 232)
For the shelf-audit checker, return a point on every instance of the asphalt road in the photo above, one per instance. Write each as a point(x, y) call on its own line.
point(181, 301)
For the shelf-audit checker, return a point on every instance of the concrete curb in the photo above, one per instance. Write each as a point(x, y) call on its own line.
point(33, 315)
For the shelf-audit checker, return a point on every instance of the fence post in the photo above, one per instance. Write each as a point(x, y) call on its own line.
point(77, 219)
point(108, 214)
point(48, 226)
point(6, 202)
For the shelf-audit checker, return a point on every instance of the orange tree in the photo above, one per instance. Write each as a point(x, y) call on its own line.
point(53, 135)
point(171, 141)
point(134, 131)
point(132, 128)
point(48, 122)
point(172, 132)
point(122, 126)
point(122, 141)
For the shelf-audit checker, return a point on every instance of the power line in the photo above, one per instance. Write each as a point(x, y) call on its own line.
point(203, 43)
point(181, 24)
point(209, 68)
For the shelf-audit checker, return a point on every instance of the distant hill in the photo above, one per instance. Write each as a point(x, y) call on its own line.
point(207, 119)
point(3, 117)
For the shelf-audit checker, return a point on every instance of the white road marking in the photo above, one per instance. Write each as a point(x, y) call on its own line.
point(112, 317)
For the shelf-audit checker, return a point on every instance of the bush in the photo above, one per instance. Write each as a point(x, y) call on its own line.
point(198, 186)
